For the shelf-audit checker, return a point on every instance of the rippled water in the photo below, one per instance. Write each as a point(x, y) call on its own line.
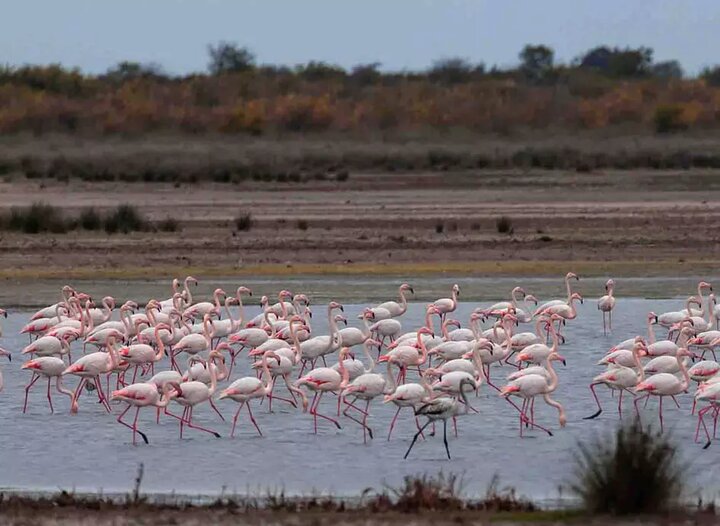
point(90, 451)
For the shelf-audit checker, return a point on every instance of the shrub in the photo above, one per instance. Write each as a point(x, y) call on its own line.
point(668, 118)
point(244, 222)
point(125, 219)
point(504, 225)
point(38, 217)
point(425, 492)
point(90, 219)
point(342, 176)
point(637, 472)
point(439, 227)
point(302, 224)
point(169, 224)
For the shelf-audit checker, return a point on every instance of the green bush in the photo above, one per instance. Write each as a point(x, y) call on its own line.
point(169, 224)
point(302, 224)
point(38, 217)
point(90, 219)
point(125, 219)
point(636, 472)
point(504, 225)
point(244, 222)
point(668, 119)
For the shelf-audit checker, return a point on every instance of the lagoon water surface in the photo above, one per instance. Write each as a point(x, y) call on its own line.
point(91, 451)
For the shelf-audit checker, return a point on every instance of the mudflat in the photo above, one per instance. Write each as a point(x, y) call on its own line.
point(628, 222)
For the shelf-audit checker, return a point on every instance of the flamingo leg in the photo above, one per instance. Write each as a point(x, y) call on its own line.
point(49, 396)
point(212, 404)
point(133, 427)
point(415, 439)
point(32, 381)
point(526, 420)
point(675, 400)
point(101, 394)
point(316, 414)
point(252, 419)
point(637, 409)
point(620, 404)
point(597, 401)
point(660, 413)
point(392, 423)
point(447, 449)
point(235, 419)
point(199, 428)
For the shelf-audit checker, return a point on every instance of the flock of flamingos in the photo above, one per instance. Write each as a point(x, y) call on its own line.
point(429, 372)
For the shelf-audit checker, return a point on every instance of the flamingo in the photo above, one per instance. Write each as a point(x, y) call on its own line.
point(532, 385)
point(48, 346)
point(388, 328)
point(394, 308)
point(143, 395)
point(606, 304)
point(192, 394)
point(405, 356)
point(245, 389)
point(204, 308)
point(664, 384)
point(408, 395)
point(49, 367)
point(196, 343)
point(4, 314)
point(446, 305)
point(3, 352)
point(48, 312)
point(442, 408)
point(553, 303)
point(698, 312)
point(567, 310)
point(367, 386)
point(321, 380)
point(712, 301)
point(352, 336)
point(620, 378)
point(141, 354)
point(92, 366)
point(318, 346)
point(524, 315)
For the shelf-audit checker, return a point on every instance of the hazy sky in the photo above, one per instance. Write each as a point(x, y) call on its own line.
point(94, 34)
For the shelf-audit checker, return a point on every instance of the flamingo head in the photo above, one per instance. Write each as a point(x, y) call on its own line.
point(192, 280)
point(373, 343)
point(406, 286)
point(532, 298)
point(341, 318)
point(609, 285)
point(518, 290)
point(285, 295)
point(425, 330)
point(302, 298)
point(243, 290)
point(335, 305)
point(456, 289)
point(454, 323)
point(705, 285)
point(577, 296)
point(367, 314)
point(572, 275)
point(83, 297)
point(3, 313)
point(3, 352)
point(555, 357)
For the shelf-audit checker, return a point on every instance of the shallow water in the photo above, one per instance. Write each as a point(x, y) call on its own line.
point(91, 451)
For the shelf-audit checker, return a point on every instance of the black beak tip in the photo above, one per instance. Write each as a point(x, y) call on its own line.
point(342, 309)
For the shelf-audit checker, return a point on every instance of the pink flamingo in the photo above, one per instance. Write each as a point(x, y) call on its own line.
point(248, 388)
point(143, 395)
point(606, 304)
point(49, 367)
point(569, 276)
point(665, 384)
point(193, 393)
point(620, 378)
point(92, 366)
point(394, 308)
point(321, 380)
point(3, 352)
point(446, 305)
point(405, 356)
point(408, 395)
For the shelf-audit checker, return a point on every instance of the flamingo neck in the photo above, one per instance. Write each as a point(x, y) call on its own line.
point(267, 376)
point(371, 362)
point(651, 332)
point(557, 405)
point(161, 346)
point(62, 389)
point(241, 312)
point(186, 288)
point(296, 343)
point(403, 302)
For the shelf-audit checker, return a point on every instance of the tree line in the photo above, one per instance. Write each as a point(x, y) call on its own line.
point(536, 65)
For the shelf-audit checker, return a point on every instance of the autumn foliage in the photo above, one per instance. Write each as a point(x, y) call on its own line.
point(270, 102)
